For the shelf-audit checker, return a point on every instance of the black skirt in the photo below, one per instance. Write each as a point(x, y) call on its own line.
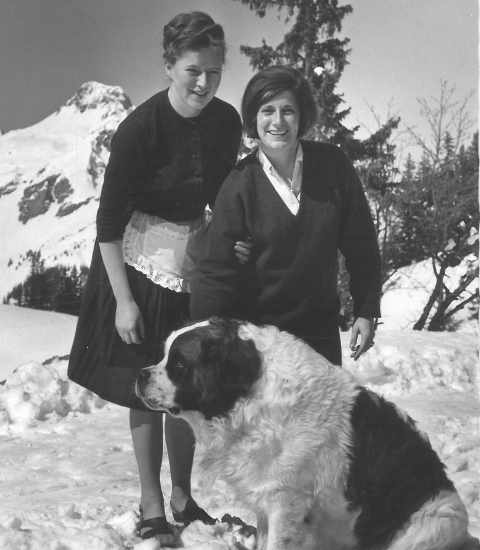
point(99, 360)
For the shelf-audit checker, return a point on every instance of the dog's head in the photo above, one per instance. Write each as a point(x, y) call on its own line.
point(207, 367)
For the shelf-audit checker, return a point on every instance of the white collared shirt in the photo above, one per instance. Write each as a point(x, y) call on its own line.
point(288, 190)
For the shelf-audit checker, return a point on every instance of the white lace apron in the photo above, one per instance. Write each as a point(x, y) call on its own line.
point(162, 250)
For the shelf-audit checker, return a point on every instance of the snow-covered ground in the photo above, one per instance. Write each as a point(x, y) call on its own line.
point(68, 478)
point(32, 335)
point(408, 290)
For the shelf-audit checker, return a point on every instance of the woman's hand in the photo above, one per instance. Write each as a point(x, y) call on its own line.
point(128, 319)
point(365, 329)
point(129, 322)
point(243, 250)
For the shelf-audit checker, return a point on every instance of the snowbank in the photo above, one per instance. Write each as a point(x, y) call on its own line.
point(409, 361)
point(69, 478)
point(407, 292)
point(32, 335)
point(35, 392)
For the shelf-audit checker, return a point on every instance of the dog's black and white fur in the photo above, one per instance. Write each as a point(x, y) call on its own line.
point(325, 463)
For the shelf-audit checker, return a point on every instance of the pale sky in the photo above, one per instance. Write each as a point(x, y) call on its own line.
point(401, 49)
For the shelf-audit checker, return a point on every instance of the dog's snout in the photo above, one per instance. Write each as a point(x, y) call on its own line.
point(154, 388)
point(144, 376)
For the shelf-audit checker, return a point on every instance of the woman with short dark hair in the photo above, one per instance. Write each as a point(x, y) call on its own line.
point(300, 202)
point(267, 84)
point(168, 159)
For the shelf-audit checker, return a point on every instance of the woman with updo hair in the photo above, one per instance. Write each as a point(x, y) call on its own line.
point(168, 159)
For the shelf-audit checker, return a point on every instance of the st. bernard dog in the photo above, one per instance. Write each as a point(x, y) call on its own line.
point(325, 463)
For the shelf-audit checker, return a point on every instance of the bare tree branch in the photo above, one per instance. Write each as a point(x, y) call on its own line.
point(462, 304)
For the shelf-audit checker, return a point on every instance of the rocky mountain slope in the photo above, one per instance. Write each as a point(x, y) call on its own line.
point(50, 179)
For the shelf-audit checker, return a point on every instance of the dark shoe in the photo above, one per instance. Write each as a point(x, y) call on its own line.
point(155, 527)
point(190, 513)
point(245, 529)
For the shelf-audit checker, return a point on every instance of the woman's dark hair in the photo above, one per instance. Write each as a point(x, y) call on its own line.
point(191, 31)
point(268, 83)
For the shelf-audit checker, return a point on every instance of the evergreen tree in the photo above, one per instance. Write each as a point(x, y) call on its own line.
point(439, 221)
point(57, 288)
point(410, 168)
point(311, 47)
point(448, 149)
point(379, 174)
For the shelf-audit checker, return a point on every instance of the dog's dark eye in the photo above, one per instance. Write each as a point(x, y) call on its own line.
point(177, 367)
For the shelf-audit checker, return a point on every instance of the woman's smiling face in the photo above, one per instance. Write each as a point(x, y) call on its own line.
point(195, 77)
point(277, 123)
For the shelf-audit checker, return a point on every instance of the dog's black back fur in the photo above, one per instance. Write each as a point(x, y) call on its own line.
point(393, 471)
point(212, 367)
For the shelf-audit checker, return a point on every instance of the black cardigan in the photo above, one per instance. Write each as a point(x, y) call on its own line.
point(292, 282)
point(164, 164)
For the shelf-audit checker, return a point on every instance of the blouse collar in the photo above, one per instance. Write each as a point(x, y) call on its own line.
point(289, 190)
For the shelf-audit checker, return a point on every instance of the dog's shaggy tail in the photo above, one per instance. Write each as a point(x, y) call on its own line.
point(440, 524)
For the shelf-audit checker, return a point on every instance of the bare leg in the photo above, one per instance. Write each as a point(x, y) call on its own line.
point(262, 531)
point(147, 436)
point(180, 446)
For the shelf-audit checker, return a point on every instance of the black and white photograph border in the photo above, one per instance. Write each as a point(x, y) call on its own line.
point(405, 97)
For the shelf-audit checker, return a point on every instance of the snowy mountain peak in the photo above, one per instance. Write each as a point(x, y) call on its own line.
point(51, 174)
point(92, 94)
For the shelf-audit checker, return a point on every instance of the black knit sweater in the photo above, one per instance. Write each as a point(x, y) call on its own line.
point(292, 282)
point(164, 164)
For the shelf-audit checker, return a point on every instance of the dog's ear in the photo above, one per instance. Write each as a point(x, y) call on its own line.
point(236, 360)
point(228, 367)
point(207, 378)
point(242, 366)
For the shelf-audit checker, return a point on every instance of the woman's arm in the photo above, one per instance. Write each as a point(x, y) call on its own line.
point(358, 243)
point(128, 319)
point(123, 171)
point(215, 284)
